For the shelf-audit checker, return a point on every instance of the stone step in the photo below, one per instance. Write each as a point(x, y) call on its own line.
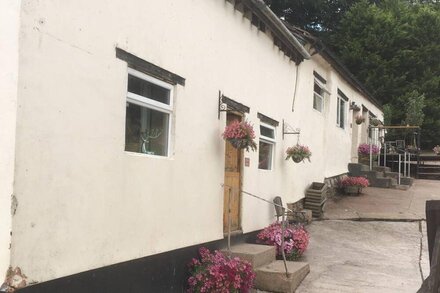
point(272, 277)
point(406, 181)
point(372, 174)
point(257, 254)
point(382, 182)
point(355, 169)
point(394, 175)
point(382, 169)
point(402, 187)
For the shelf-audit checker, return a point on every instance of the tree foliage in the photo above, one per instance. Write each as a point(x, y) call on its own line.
point(318, 16)
point(394, 49)
point(391, 46)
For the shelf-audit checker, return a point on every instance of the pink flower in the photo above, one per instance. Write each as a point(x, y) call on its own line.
point(354, 181)
point(220, 274)
point(364, 149)
point(296, 239)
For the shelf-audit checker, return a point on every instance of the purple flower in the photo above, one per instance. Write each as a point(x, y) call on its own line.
point(364, 149)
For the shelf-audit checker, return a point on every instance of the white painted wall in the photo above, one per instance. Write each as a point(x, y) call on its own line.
point(84, 202)
point(9, 29)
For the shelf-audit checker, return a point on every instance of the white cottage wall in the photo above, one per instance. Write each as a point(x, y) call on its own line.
point(84, 201)
point(9, 30)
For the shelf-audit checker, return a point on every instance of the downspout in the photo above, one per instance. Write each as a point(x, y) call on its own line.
point(267, 12)
point(296, 86)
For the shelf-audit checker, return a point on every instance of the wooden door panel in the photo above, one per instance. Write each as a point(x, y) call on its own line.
point(232, 179)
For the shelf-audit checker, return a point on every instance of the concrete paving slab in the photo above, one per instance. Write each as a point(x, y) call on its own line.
point(387, 204)
point(352, 256)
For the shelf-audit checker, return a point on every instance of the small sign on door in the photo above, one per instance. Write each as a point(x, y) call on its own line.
point(247, 162)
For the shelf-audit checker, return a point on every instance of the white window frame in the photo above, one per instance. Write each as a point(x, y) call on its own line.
point(153, 104)
point(322, 97)
point(271, 141)
point(338, 112)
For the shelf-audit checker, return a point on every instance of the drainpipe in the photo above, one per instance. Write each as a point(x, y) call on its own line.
point(268, 13)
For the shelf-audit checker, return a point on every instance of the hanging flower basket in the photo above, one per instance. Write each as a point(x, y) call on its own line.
point(374, 122)
point(359, 119)
point(436, 150)
point(241, 135)
point(298, 153)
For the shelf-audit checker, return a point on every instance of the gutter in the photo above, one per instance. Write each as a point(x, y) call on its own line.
point(270, 16)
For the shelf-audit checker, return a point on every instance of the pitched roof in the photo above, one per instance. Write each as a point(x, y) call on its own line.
point(305, 37)
point(263, 17)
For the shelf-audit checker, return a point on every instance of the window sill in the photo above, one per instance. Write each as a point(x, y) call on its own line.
point(147, 155)
point(318, 112)
point(265, 170)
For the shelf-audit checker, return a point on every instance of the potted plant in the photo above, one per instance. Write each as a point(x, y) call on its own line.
point(359, 119)
point(364, 153)
point(374, 122)
point(215, 272)
point(298, 153)
point(353, 185)
point(436, 150)
point(241, 135)
point(296, 239)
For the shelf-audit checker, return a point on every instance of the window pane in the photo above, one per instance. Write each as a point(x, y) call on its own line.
point(338, 112)
point(265, 155)
point(147, 89)
point(317, 102)
point(342, 115)
point(267, 132)
point(318, 89)
point(146, 130)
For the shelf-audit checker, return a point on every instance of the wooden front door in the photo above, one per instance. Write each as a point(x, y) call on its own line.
point(232, 183)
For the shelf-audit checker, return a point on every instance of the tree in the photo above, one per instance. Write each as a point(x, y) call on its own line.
point(414, 108)
point(394, 49)
point(318, 16)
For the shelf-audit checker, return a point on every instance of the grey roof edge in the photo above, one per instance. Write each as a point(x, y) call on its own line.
point(331, 57)
point(278, 23)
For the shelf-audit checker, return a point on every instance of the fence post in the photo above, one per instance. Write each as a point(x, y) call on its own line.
point(432, 223)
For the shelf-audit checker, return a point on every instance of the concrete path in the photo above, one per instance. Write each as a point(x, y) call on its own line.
point(384, 204)
point(375, 242)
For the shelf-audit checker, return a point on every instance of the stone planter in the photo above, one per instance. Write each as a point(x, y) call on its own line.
point(352, 190)
point(365, 159)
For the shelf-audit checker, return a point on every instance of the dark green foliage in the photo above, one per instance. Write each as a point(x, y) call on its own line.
point(391, 46)
point(394, 49)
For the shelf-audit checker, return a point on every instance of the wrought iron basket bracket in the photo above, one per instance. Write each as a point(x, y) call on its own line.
point(226, 104)
point(287, 129)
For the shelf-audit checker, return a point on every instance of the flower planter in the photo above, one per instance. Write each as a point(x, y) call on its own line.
point(298, 153)
point(365, 159)
point(297, 159)
point(241, 135)
point(352, 189)
point(239, 143)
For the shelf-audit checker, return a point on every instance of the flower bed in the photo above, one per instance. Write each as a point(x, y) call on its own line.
point(215, 272)
point(296, 239)
point(241, 135)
